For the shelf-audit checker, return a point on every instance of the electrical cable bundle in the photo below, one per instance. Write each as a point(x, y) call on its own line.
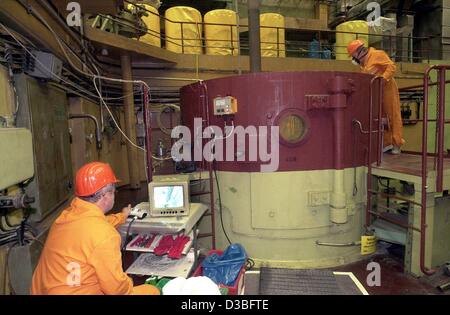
point(20, 234)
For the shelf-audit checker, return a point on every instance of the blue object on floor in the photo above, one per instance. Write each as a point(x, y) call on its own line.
point(225, 269)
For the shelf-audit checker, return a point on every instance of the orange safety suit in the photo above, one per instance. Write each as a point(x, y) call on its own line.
point(82, 255)
point(378, 63)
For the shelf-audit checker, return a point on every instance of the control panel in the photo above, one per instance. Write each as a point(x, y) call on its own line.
point(226, 105)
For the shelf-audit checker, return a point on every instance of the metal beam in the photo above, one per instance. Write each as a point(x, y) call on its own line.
point(254, 35)
point(130, 121)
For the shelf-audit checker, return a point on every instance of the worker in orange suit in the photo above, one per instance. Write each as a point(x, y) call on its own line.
point(82, 251)
point(378, 63)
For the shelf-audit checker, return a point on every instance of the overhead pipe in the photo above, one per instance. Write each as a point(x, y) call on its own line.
point(254, 36)
point(98, 132)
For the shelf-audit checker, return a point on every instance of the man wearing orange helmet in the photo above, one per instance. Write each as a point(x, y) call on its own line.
point(378, 63)
point(82, 251)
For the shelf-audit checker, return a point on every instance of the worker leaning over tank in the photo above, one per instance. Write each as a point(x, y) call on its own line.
point(378, 63)
point(82, 251)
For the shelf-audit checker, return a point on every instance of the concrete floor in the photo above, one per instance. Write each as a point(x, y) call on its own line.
point(393, 280)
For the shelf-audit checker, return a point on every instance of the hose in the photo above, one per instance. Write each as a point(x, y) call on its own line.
point(98, 132)
point(161, 109)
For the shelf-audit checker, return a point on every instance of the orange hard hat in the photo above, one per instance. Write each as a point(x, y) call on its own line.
point(92, 177)
point(354, 45)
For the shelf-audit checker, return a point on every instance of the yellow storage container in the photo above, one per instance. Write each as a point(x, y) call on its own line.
point(353, 30)
point(183, 30)
point(272, 35)
point(221, 39)
point(152, 21)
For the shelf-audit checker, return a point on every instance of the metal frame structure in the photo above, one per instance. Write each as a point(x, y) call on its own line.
point(209, 165)
point(438, 158)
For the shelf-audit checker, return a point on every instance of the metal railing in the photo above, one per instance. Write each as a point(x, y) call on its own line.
point(417, 50)
point(440, 148)
point(438, 157)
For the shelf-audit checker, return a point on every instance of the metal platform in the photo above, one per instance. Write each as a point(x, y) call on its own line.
point(407, 163)
point(408, 167)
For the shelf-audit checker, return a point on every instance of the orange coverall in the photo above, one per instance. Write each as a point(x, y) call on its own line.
point(378, 63)
point(82, 255)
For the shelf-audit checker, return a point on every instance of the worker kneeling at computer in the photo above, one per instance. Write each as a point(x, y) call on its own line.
point(82, 251)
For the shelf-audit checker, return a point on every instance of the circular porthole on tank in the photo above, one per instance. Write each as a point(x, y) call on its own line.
point(293, 127)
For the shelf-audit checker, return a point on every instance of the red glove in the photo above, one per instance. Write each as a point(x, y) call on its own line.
point(178, 246)
point(165, 244)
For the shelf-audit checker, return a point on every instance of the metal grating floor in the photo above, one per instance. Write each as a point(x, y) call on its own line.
point(276, 281)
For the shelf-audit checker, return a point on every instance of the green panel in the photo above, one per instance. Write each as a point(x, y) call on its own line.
point(44, 110)
point(16, 159)
point(280, 200)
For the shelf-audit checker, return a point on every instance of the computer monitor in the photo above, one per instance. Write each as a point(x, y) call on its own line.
point(168, 198)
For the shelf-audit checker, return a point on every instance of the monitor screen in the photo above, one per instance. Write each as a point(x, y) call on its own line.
point(171, 196)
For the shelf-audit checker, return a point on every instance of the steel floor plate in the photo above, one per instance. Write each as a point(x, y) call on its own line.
point(277, 281)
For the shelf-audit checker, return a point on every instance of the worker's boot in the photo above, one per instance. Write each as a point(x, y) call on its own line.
point(387, 148)
point(396, 150)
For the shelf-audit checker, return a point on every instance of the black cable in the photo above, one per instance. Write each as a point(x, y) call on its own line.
point(18, 233)
point(8, 240)
point(126, 239)
point(4, 235)
point(3, 238)
point(31, 229)
point(220, 202)
point(381, 183)
point(128, 232)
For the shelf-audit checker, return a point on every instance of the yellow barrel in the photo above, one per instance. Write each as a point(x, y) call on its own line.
point(152, 21)
point(359, 30)
point(183, 30)
point(272, 38)
point(221, 39)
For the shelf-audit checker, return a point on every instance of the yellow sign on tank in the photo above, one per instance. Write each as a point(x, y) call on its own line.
point(368, 244)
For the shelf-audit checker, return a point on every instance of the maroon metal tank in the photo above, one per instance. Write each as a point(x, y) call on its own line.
point(315, 111)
